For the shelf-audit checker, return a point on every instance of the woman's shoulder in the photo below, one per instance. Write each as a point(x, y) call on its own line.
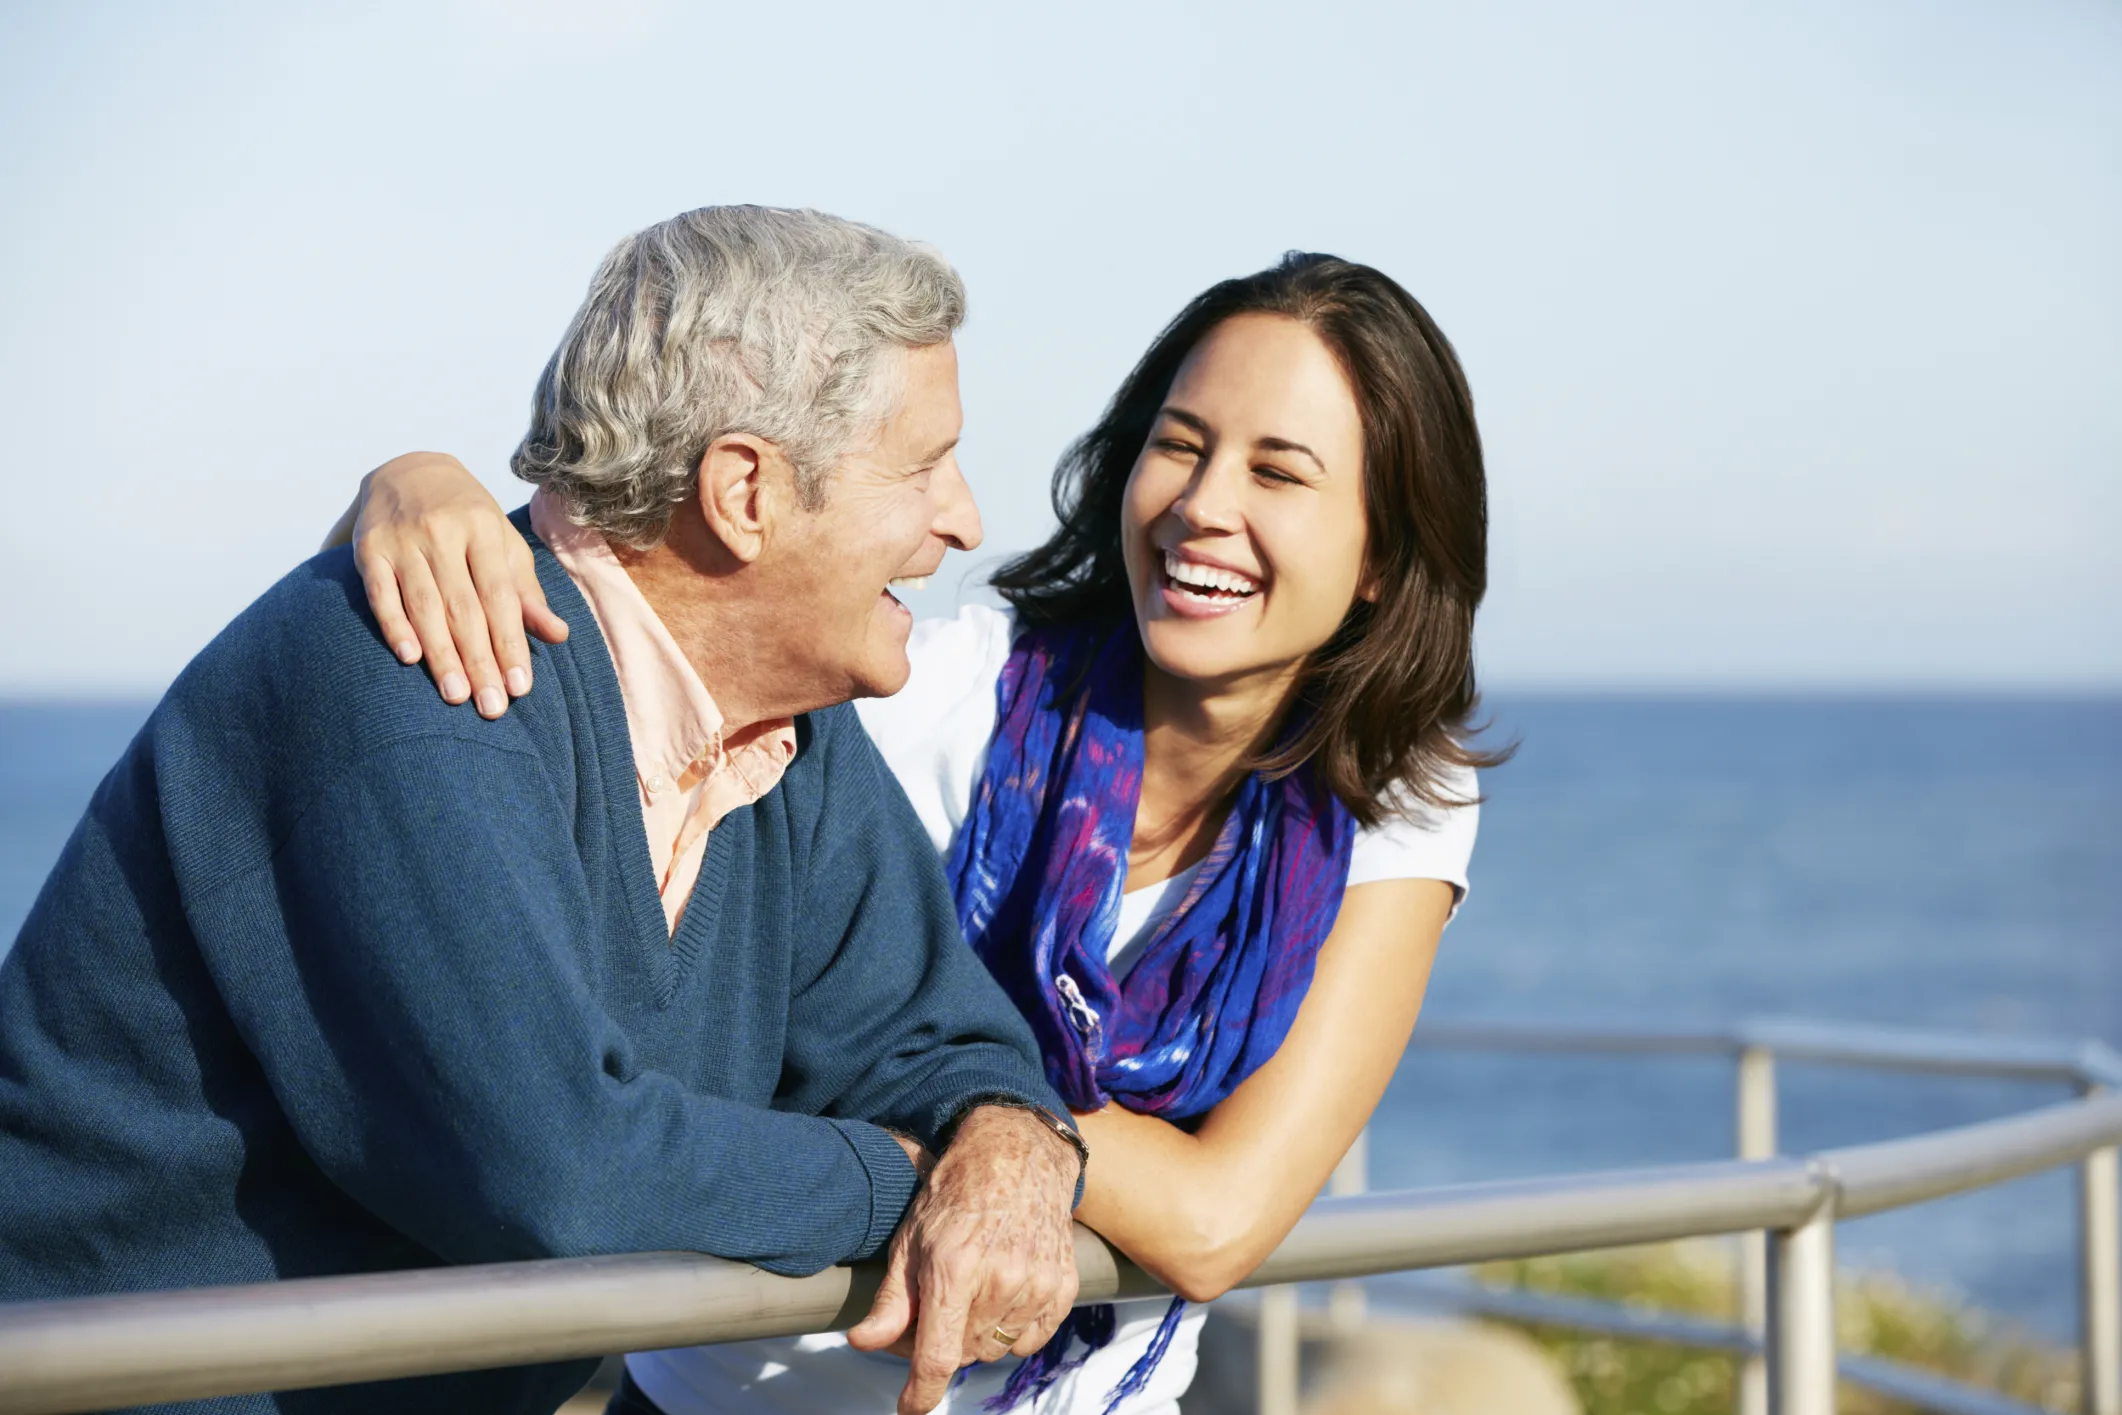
point(933, 733)
point(1418, 840)
point(950, 660)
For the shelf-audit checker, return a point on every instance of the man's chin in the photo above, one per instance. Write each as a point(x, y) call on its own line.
point(882, 682)
point(886, 667)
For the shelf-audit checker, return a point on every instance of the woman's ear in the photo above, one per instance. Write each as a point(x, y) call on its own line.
point(734, 472)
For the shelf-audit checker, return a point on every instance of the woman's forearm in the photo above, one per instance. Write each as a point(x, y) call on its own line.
point(342, 531)
point(1200, 1211)
point(1159, 1195)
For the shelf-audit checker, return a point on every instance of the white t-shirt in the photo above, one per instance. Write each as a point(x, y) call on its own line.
point(934, 734)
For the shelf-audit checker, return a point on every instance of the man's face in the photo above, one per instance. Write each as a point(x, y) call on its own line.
point(891, 510)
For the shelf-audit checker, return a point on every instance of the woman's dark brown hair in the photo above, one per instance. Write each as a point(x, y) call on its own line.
point(1385, 706)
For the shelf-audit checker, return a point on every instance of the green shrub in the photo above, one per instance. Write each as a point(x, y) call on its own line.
point(1876, 1314)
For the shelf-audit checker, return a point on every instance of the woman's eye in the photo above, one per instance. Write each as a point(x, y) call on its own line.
point(1178, 449)
point(1274, 474)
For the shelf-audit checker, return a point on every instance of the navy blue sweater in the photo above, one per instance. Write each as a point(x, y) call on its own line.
point(334, 978)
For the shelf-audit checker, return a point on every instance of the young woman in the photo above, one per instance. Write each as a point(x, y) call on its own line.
point(1205, 792)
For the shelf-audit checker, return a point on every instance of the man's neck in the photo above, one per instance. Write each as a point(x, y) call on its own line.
point(728, 637)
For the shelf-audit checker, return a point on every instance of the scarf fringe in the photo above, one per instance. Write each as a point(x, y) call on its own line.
point(1093, 1327)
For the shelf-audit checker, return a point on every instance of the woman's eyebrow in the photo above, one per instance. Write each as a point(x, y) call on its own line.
point(1268, 444)
point(1283, 444)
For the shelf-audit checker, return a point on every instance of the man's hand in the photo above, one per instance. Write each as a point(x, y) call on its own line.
point(984, 1263)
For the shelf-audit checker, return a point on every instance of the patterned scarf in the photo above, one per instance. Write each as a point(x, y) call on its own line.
point(1038, 868)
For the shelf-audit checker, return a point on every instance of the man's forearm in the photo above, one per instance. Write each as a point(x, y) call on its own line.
point(532, 1138)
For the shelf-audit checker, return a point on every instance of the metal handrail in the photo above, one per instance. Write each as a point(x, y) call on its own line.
point(102, 1351)
point(1886, 1048)
point(179, 1346)
point(1893, 1174)
point(1925, 1390)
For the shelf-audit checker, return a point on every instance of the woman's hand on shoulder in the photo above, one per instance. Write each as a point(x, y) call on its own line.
point(450, 579)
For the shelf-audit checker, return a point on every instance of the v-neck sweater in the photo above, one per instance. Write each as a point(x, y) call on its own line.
point(333, 977)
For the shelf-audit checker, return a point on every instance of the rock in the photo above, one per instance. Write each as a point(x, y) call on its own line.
point(1386, 1365)
point(1400, 1366)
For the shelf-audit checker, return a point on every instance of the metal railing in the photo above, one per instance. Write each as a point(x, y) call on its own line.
point(93, 1353)
point(2090, 1067)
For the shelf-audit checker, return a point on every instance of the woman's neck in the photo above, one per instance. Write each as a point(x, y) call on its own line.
point(1196, 739)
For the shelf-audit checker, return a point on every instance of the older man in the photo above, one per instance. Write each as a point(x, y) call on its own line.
point(334, 978)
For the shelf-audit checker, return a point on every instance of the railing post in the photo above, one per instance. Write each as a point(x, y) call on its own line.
point(1756, 1127)
point(2100, 1282)
point(1801, 1327)
point(1279, 1340)
point(1345, 1306)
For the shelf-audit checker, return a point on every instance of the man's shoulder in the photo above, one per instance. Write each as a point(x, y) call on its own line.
point(310, 635)
point(306, 666)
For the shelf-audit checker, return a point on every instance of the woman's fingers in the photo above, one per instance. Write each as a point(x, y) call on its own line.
point(495, 585)
point(470, 631)
point(541, 620)
point(538, 617)
point(381, 583)
point(432, 542)
point(423, 607)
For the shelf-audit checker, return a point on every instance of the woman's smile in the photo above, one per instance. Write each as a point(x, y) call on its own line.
point(1194, 588)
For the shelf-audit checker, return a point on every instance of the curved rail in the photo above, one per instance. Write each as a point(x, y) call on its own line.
point(92, 1353)
point(1793, 1039)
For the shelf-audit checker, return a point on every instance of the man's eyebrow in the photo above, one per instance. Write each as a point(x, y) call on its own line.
point(942, 451)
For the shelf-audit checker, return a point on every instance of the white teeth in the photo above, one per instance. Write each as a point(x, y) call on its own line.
point(1188, 572)
point(910, 582)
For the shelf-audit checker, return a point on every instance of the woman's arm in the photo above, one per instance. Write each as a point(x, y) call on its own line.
point(1201, 1211)
point(448, 577)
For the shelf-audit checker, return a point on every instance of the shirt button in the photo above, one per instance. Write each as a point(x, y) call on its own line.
point(656, 783)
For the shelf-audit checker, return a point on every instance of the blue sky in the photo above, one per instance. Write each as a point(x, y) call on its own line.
point(1795, 329)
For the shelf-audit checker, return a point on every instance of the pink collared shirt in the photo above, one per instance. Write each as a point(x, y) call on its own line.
point(689, 774)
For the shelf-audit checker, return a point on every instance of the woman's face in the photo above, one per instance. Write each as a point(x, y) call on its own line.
point(1243, 528)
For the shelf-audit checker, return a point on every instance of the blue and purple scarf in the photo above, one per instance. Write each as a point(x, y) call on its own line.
point(1038, 868)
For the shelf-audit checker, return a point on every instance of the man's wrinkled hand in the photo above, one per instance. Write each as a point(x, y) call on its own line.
point(986, 1252)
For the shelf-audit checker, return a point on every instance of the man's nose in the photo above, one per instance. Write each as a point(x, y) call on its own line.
point(957, 516)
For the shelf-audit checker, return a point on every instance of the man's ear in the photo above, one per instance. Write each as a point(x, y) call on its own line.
point(735, 476)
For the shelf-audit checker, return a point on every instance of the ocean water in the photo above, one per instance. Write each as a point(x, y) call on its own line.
point(1935, 863)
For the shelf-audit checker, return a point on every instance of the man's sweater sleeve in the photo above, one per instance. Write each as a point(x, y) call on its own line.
point(894, 1019)
point(416, 996)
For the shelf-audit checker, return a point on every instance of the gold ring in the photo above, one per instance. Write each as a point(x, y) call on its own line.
point(1007, 1338)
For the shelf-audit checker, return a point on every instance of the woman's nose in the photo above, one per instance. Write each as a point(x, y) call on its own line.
point(1210, 501)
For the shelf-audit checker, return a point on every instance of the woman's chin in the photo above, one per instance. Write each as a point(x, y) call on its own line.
point(1198, 650)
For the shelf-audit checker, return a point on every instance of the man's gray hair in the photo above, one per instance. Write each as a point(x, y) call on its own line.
point(788, 325)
